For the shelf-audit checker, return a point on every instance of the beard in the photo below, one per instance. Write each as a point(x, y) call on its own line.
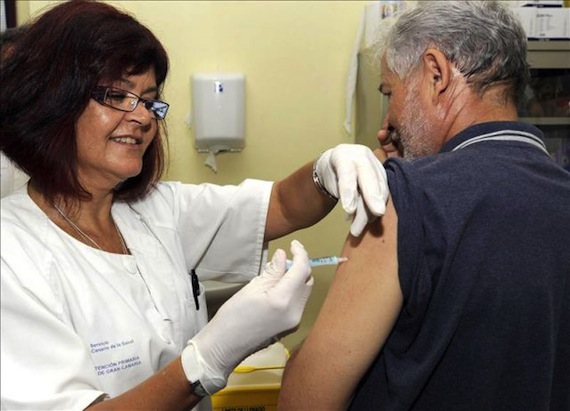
point(413, 136)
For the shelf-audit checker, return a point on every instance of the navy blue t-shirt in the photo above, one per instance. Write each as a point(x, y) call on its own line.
point(484, 267)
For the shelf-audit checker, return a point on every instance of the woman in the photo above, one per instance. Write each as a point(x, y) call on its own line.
point(101, 305)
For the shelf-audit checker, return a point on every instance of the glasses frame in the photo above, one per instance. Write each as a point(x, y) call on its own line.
point(157, 108)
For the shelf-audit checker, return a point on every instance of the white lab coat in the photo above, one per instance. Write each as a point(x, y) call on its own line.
point(11, 176)
point(79, 323)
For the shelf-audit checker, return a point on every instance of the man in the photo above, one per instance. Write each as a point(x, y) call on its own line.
point(459, 297)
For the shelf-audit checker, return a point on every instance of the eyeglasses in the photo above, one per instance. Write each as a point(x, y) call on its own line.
point(126, 101)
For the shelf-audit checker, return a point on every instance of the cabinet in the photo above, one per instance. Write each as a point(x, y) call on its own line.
point(547, 100)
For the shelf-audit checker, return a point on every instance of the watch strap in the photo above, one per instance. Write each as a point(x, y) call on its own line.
point(198, 389)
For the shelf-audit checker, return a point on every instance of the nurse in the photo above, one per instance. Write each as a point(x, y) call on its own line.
point(101, 261)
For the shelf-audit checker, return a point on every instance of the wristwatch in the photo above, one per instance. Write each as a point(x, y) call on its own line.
point(198, 389)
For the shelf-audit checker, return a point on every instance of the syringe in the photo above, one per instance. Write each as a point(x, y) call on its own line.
point(316, 262)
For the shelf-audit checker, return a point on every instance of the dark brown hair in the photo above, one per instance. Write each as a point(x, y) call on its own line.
point(47, 83)
point(8, 37)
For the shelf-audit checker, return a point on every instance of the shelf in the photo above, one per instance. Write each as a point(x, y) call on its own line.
point(547, 121)
point(548, 44)
point(553, 54)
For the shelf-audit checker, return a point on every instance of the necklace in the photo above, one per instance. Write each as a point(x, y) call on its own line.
point(123, 244)
point(85, 236)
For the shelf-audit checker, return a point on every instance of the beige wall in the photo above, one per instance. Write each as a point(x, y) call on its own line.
point(295, 56)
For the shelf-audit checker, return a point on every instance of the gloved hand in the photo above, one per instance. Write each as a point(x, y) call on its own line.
point(352, 173)
point(268, 306)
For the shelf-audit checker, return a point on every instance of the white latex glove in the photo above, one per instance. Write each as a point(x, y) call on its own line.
point(270, 305)
point(354, 174)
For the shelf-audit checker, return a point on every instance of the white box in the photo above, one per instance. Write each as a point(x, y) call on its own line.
point(550, 22)
point(542, 3)
point(567, 33)
point(527, 16)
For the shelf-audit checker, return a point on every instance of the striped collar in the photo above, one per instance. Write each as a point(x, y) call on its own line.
point(497, 131)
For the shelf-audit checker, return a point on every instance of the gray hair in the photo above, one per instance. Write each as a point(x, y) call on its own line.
point(484, 39)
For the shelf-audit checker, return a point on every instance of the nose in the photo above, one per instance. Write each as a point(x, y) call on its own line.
point(141, 114)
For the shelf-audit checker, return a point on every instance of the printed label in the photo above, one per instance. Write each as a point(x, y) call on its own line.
point(111, 350)
point(120, 365)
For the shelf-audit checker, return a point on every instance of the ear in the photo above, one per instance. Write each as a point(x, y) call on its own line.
point(437, 70)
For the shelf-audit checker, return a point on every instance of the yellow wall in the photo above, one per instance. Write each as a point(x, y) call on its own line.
point(295, 56)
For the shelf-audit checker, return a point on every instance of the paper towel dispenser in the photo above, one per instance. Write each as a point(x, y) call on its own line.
point(218, 111)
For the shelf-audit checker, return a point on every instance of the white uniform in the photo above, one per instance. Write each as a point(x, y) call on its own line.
point(11, 176)
point(79, 323)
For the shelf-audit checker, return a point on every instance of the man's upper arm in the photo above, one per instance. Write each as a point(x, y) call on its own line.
point(359, 312)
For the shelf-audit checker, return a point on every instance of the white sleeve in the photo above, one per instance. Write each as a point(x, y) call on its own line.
point(7, 175)
point(12, 177)
point(220, 229)
point(45, 364)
